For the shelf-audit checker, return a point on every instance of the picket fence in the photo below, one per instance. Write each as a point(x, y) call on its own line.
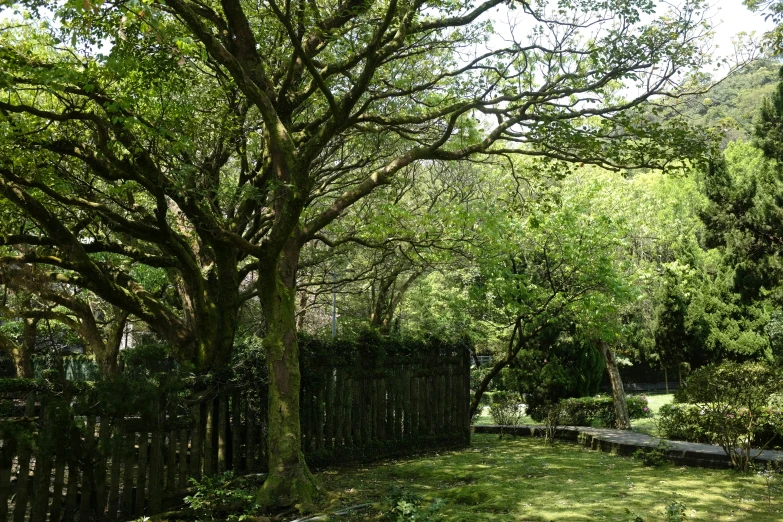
point(125, 467)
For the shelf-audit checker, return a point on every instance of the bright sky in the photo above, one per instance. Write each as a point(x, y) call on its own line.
point(731, 17)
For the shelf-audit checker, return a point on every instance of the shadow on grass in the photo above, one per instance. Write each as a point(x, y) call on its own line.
point(523, 480)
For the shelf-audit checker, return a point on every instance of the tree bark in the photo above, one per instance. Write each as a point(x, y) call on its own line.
point(622, 419)
point(289, 481)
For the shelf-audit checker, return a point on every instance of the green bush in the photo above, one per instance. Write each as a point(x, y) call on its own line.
point(587, 411)
point(406, 506)
point(222, 497)
point(732, 405)
point(506, 410)
point(688, 422)
point(682, 422)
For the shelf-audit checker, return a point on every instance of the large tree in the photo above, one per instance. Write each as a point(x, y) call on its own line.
point(208, 139)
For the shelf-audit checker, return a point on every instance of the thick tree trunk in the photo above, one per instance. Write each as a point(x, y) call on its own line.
point(21, 353)
point(622, 419)
point(289, 482)
point(108, 351)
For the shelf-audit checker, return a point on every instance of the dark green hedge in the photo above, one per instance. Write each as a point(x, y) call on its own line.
point(587, 411)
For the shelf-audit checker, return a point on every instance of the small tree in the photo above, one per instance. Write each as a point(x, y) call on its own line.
point(735, 402)
point(506, 411)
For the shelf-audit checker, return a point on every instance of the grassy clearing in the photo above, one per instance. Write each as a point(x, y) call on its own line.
point(650, 426)
point(523, 480)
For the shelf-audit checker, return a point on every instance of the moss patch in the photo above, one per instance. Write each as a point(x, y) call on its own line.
point(521, 479)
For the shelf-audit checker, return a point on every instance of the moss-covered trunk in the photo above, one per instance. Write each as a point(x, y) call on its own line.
point(289, 482)
point(622, 419)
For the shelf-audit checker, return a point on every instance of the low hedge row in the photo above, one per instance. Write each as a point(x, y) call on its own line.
point(588, 411)
point(691, 423)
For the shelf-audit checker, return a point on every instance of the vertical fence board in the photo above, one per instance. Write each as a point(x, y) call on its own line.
point(39, 504)
point(88, 471)
point(23, 480)
point(318, 410)
point(329, 409)
point(7, 454)
point(171, 461)
point(127, 476)
point(118, 448)
point(338, 408)
point(103, 447)
point(59, 482)
point(184, 440)
point(156, 474)
point(141, 480)
point(195, 442)
point(236, 431)
point(349, 421)
point(72, 491)
point(399, 402)
point(42, 477)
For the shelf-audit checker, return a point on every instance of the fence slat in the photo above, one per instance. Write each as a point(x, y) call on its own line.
point(131, 456)
point(88, 470)
point(156, 472)
point(249, 434)
point(209, 434)
point(329, 411)
point(7, 454)
point(195, 442)
point(337, 409)
point(104, 444)
point(236, 430)
point(72, 492)
point(117, 452)
point(23, 481)
point(141, 477)
point(59, 482)
point(184, 441)
point(318, 411)
point(42, 477)
point(171, 461)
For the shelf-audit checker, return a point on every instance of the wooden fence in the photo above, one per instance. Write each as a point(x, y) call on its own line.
point(104, 467)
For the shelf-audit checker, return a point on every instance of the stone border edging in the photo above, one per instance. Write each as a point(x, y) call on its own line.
point(625, 443)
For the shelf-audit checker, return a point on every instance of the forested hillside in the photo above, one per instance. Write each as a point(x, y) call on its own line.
point(733, 102)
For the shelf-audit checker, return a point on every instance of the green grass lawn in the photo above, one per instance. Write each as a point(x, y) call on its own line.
point(523, 480)
point(649, 426)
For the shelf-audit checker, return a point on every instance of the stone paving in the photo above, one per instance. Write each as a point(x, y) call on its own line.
point(624, 442)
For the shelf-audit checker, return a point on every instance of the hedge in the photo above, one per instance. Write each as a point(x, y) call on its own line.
point(587, 411)
point(689, 422)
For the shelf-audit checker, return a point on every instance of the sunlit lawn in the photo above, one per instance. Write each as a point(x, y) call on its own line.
point(649, 426)
point(523, 480)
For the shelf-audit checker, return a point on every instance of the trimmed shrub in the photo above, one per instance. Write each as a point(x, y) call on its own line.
point(732, 405)
point(587, 411)
point(690, 423)
point(506, 410)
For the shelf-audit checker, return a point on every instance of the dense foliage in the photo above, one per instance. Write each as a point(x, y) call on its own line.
point(734, 405)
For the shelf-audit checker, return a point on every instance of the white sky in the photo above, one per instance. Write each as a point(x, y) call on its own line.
point(731, 17)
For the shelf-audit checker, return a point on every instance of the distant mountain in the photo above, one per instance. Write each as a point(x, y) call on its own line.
point(733, 103)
